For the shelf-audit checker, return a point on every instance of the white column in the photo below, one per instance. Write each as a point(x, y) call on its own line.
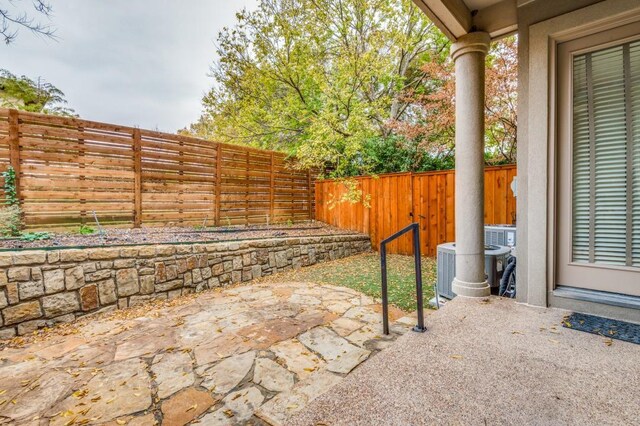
point(469, 54)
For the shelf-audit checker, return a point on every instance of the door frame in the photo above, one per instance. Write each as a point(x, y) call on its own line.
point(539, 242)
point(590, 272)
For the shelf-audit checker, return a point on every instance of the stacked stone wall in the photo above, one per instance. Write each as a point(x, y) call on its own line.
point(39, 288)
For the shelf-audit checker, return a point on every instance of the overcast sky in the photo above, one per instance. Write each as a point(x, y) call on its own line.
point(132, 62)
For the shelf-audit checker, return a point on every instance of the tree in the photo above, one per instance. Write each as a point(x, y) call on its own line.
point(432, 126)
point(501, 101)
point(36, 96)
point(350, 86)
point(13, 18)
point(318, 77)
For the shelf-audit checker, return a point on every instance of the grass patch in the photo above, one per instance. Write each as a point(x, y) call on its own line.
point(362, 273)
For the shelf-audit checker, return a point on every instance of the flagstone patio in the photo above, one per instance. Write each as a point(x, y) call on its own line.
point(250, 354)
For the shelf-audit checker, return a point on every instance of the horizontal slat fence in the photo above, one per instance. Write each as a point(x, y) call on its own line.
point(67, 168)
point(397, 199)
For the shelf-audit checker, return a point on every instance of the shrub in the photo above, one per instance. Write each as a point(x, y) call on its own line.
point(34, 236)
point(86, 230)
point(10, 220)
point(10, 188)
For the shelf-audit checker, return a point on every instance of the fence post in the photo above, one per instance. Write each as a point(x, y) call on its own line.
point(309, 199)
point(271, 189)
point(81, 177)
point(14, 147)
point(137, 178)
point(246, 193)
point(218, 183)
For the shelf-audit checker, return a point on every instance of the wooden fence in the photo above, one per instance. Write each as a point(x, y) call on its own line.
point(67, 168)
point(398, 199)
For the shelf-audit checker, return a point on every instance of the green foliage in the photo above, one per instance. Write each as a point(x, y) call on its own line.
point(28, 95)
point(400, 154)
point(86, 230)
point(353, 194)
point(11, 215)
point(10, 220)
point(318, 78)
point(34, 236)
point(350, 87)
point(10, 189)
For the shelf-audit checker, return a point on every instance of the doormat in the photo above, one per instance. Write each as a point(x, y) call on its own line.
point(606, 327)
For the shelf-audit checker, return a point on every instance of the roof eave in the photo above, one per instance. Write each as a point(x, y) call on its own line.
point(455, 19)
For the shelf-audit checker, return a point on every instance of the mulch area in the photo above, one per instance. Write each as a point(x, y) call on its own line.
point(164, 235)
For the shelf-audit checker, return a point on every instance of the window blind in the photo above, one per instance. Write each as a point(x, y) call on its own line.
point(606, 156)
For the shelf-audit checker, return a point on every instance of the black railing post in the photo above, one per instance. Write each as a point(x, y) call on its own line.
point(418, 269)
point(385, 298)
point(418, 266)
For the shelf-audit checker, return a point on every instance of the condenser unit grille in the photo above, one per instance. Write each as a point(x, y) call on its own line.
point(494, 237)
point(446, 272)
point(494, 263)
point(500, 235)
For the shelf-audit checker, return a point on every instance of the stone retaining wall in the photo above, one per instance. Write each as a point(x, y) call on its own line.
point(39, 288)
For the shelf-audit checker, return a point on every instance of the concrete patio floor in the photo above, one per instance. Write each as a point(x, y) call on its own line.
point(246, 355)
point(486, 363)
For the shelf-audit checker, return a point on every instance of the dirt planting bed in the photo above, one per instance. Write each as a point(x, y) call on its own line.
point(169, 235)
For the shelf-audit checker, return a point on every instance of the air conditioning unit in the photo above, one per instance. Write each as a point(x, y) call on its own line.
point(495, 260)
point(500, 235)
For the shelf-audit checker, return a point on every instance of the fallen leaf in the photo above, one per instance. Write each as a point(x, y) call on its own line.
point(80, 393)
point(70, 422)
point(193, 407)
point(456, 356)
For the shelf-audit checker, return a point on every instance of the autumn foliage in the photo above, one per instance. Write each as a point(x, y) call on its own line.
point(432, 126)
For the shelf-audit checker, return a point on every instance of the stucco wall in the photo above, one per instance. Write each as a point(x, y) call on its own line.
point(39, 288)
point(544, 24)
point(528, 222)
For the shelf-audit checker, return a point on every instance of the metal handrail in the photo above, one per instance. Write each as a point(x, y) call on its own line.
point(418, 267)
